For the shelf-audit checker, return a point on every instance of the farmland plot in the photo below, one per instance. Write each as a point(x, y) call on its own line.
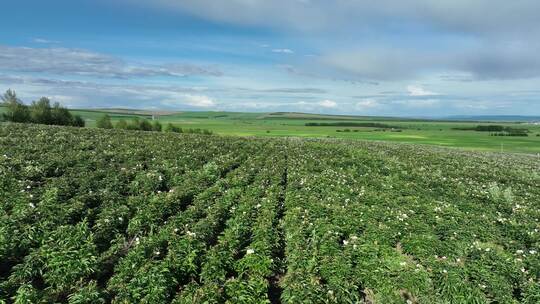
point(96, 216)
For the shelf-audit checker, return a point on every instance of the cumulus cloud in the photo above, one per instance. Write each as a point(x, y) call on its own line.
point(416, 90)
point(199, 101)
point(65, 61)
point(328, 103)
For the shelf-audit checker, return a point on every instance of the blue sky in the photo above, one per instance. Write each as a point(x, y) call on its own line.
point(410, 58)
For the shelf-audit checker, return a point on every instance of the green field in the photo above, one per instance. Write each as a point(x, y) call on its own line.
point(114, 216)
point(415, 131)
point(431, 132)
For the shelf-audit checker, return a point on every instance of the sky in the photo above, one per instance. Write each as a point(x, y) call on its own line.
point(363, 57)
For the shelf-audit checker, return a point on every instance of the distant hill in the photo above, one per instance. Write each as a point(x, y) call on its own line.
point(519, 118)
point(311, 116)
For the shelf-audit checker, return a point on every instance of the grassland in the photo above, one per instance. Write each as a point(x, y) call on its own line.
point(280, 124)
point(440, 133)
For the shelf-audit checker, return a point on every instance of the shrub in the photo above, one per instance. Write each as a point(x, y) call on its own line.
point(78, 121)
point(104, 122)
point(145, 125)
point(156, 126)
point(172, 128)
point(122, 124)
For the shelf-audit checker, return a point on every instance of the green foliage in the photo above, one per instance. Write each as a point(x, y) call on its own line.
point(172, 128)
point(16, 110)
point(156, 126)
point(39, 112)
point(122, 124)
point(102, 216)
point(104, 122)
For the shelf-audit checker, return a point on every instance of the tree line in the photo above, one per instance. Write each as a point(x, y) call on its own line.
point(136, 123)
point(39, 112)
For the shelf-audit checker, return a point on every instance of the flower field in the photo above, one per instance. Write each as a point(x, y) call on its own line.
point(114, 216)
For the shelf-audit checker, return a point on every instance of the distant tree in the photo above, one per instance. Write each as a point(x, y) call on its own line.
point(172, 128)
point(122, 124)
point(145, 125)
point(61, 116)
point(16, 111)
point(40, 111)
point(9, 96)
point(168, 127)
point(78, 121)
point(134, 124)
point(156, 126)
point(104, 122)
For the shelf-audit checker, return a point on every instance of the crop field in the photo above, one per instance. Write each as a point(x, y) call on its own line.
point(431, 132)
point(282, 124)
point(113, 216)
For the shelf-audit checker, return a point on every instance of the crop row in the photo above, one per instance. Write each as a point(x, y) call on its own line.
point(108, 216)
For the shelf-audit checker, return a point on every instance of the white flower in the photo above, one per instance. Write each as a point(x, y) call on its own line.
point(519, 251)
point(532, 251)
point(445, 271)
point(189, 233)
point(258, 206)
point(345, 242)
point(523, 270)
point(120, 218)
point(157, 252)
point(250, 251)
point(403, 263)
point(175, 229)
point(32, 205)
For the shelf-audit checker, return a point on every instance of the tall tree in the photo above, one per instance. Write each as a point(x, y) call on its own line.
point(61, 116)
point(16, 110)
point(40, 111)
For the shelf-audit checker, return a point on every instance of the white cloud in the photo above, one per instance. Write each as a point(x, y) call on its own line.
point(415, 90)
point(283, 51)
point(201, 101)
point(67, 61)
point(327, 103)
point(367, 103)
